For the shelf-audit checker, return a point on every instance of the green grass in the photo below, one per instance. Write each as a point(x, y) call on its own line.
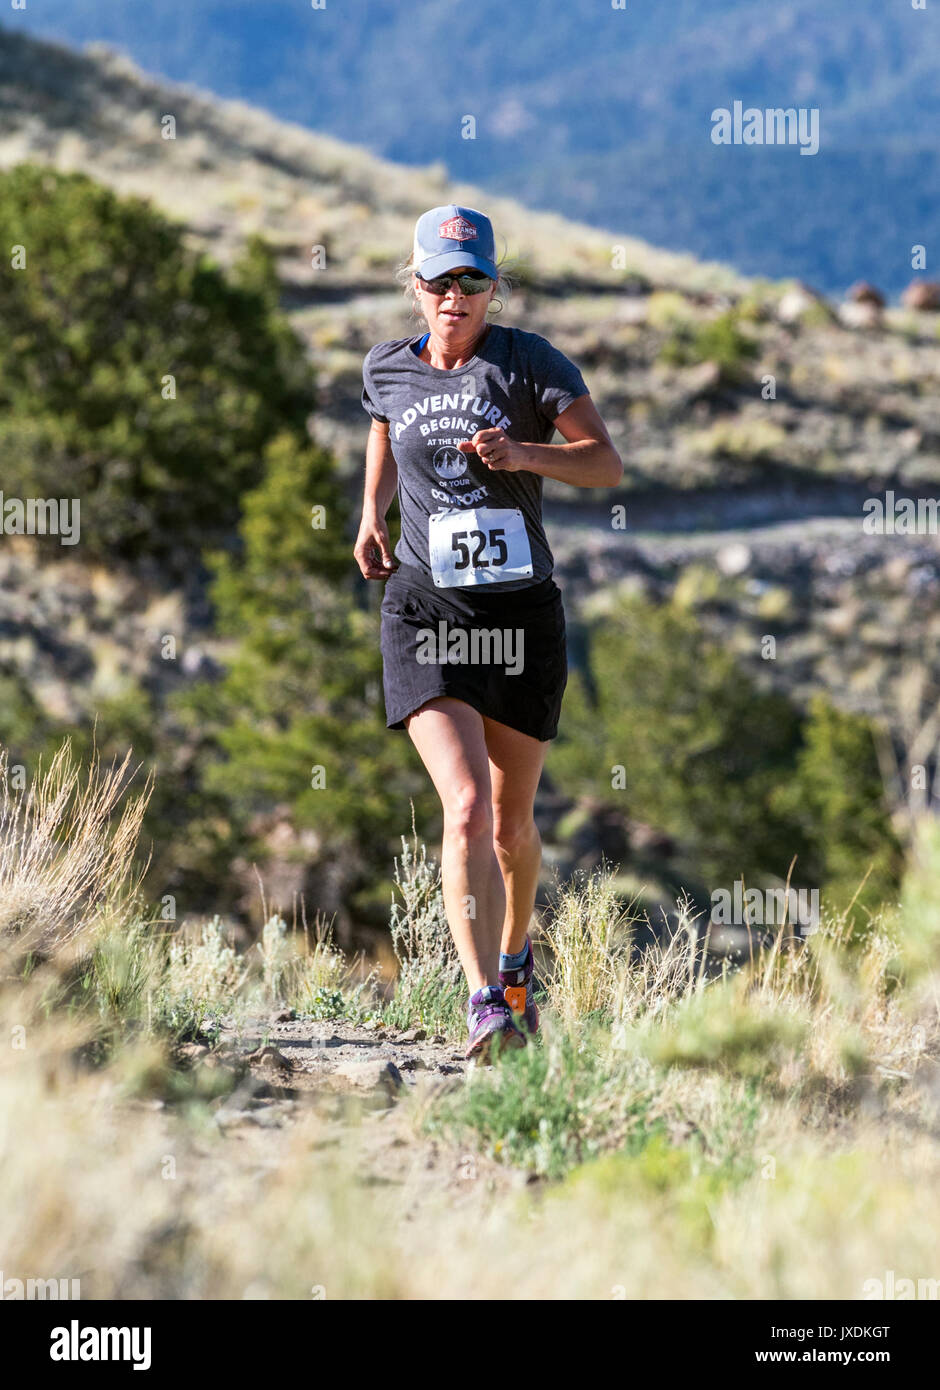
point(677, 1177)
point(571, 1097)
point(717, 1029)
point(548, 1108)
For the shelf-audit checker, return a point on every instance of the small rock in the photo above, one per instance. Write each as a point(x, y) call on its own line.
point(413, 1035)
point(270, 1058)
point(267, 1119)
point(261, 1091)
point(283, 1016)
point(413, 1064)
point(702, 379)
point(923, 295)
point(218, 1060)
point(733, 559)
point(860, 315)
point(264, 1119)
point(798, 301)
point(864, 293)
point(227, 1119)
point(375, 1074)
point(438, 1038)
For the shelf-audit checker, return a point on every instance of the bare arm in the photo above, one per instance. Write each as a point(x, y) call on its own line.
point(373, 550)
point(587, 459)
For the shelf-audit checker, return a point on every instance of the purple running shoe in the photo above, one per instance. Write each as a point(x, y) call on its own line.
point(490, 1021)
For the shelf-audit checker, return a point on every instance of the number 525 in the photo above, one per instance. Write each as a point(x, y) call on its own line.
point(464, 541)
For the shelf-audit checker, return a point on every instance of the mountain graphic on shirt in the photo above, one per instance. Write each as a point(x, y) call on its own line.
point(449, 462)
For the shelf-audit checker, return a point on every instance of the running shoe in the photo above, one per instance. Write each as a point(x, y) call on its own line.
point(519, 991)
point(489, 1021)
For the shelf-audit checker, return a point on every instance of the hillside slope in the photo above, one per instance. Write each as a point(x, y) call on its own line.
point(599, 113)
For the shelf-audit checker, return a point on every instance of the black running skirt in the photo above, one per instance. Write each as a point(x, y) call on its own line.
point(503, 653)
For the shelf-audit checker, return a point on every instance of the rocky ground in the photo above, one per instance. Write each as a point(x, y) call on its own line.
point(335, 1057)
point(367, 1087)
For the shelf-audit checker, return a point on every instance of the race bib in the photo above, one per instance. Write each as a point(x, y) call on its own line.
point(483, 545)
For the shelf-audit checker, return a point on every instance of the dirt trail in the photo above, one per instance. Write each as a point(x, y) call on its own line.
point(331, 1054)
point(358, 1081)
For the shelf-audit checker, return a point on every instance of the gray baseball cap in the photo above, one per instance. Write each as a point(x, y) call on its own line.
point(452, 236)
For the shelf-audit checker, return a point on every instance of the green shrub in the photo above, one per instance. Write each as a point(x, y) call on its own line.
point(665, 726)
point(298, 719)
point(836, 794)
point(552, 1106)
point(720, 340)
point(717, 1027)
point(676, 735)
point(108, 307)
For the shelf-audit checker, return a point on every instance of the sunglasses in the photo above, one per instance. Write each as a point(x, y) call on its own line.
point(473, 282)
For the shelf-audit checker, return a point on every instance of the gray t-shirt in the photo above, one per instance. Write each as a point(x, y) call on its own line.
point(517, 381)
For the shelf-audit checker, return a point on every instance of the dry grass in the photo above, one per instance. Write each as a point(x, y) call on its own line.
point(141, 1203)
point(205, 967)
point(65, 855)
point(589, 934)
point(307, 971)
point(775, 1134)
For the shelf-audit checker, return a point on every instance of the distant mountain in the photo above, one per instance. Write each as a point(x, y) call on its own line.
point(598, 113)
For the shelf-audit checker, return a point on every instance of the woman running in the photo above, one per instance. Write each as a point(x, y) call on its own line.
point(473, 629)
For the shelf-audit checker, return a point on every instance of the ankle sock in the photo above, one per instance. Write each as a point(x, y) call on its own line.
point(513, 962)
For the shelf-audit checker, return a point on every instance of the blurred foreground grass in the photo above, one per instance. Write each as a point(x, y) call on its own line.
point(773, 1133)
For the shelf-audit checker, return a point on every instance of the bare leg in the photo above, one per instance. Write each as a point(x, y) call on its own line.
point(516, 762)
point(448, 735)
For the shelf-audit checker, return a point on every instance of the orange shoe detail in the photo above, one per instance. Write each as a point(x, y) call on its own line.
point(515, 997)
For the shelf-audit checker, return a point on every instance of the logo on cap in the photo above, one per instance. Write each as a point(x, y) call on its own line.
point(457, 229)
